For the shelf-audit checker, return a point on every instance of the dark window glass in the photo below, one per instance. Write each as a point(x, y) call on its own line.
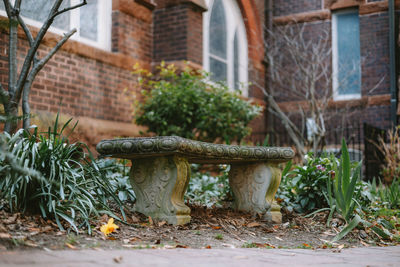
point(39, 10)
point(89, 19)
point(348, 49)
point(236, 61)
point(218, 30)
point(218, 70)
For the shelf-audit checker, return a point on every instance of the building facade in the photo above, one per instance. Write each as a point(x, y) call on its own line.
point(90, 78)
point(360, 39)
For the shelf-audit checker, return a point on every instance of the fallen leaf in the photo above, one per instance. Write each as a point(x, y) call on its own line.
point(306, 245)
point(157, 242)
point(47, 228)
point(151, 221)
point(269, 245)
point(135, 219)
point(276, 227)
point(5, 236)
point(181, 246)
point(208, 247)
point(2, 228)
point(216, 227)
point(118, 259)
point(104, 218)
point(341, 246)
point(30, 243)
point(11, 219)
point(253, 224)
point(70, 246)
point(161, 223)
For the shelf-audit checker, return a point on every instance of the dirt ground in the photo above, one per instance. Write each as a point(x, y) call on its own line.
point(209, 228)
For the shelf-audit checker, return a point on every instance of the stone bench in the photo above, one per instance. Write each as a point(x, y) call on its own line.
point(160, 174)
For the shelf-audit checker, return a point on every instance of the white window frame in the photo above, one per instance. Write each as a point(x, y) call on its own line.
point(104, 22)
point(335, 59)
point(234, 21)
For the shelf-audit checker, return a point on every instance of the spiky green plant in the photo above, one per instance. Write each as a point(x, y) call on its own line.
point(46, 174)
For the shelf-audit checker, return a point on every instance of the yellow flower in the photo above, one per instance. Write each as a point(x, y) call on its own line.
point(109, 227)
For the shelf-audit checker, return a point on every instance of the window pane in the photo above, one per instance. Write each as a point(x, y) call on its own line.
point(89, 20)
point(348, 47)
point(218, 30)
point(218, 70)
point(236, 61)
point(39, 10)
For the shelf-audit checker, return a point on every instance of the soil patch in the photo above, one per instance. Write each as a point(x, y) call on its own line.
point(209, 228)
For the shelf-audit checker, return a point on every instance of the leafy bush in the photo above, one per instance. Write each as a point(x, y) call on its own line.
point(185, 104)
point(207, 190)
point(46, 174)
point(305, 187)
point(381, 195)
point(117, 172)
point(391, 150)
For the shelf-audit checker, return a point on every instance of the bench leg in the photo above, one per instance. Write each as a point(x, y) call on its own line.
point(160, 184)
point(254, 186)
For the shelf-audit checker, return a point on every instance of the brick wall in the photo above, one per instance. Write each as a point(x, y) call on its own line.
point(374, 107)
point(89, 83)
point(374, 40)
point(77, 86)
point(288, 7)
point(132, 36)
point(178, 32)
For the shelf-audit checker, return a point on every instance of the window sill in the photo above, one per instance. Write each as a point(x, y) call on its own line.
point(346, 97)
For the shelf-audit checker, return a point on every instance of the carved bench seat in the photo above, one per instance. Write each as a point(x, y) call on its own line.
point(160, 173)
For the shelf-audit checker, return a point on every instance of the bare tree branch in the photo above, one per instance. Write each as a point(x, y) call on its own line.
point(12, 14)
point(8, 7)
point(28, 35)
point(32, 51)
point(17, 4)
point(26, 30)
point(32, 75)
point(69, 8)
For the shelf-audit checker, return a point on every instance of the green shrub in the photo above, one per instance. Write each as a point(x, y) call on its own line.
point(207, 190)
point(186, 104)
point(46, 174)
point(117, 172)
point(305, 187)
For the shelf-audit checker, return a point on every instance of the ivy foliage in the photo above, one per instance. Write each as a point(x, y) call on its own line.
point(186, 104)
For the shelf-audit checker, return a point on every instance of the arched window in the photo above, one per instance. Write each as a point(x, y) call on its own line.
point(225, 44)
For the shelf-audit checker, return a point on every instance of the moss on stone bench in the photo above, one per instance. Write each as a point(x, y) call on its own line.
point(160, 173)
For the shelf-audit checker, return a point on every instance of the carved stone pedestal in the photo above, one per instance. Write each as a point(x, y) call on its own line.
point(160, 184)
point(254, 186)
